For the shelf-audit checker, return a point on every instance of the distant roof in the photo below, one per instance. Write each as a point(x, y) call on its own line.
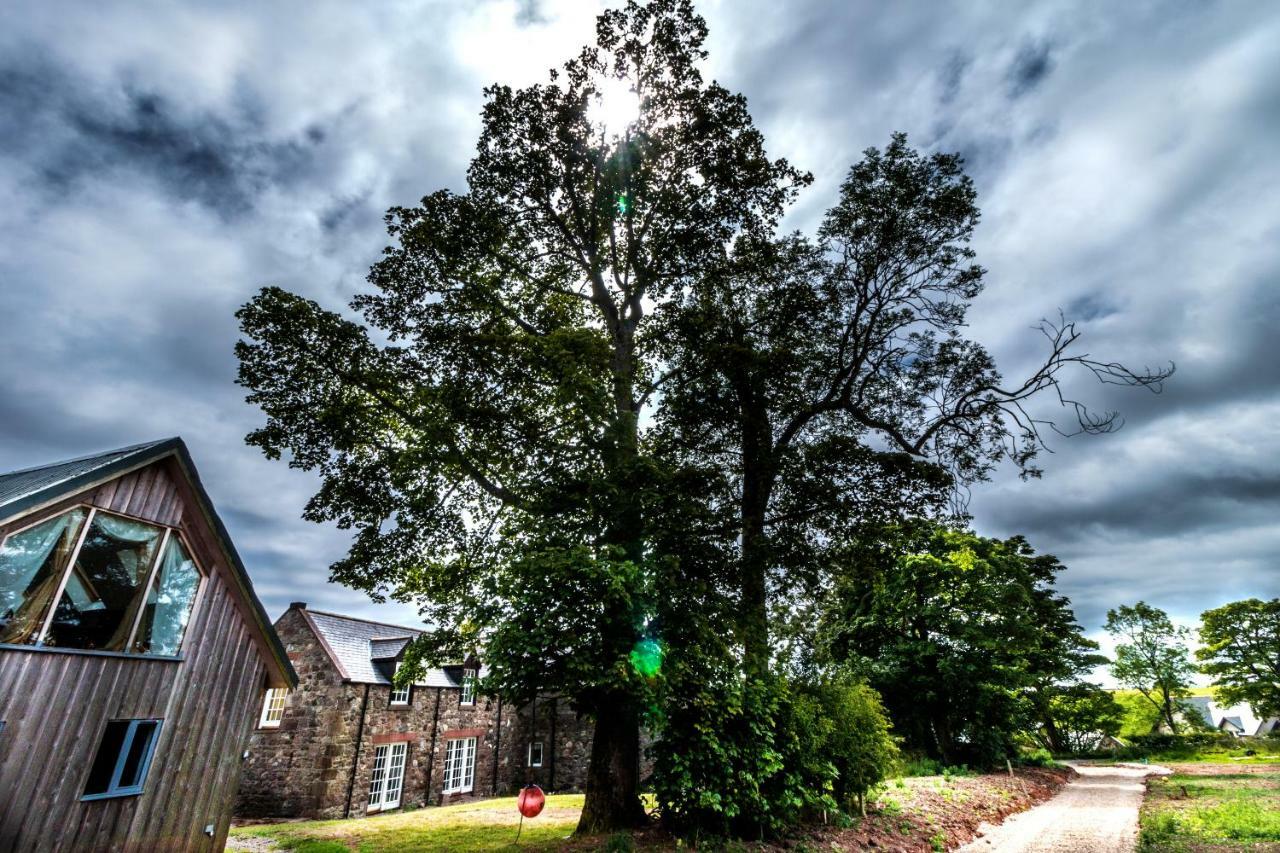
point(355, 643)
point(28, 488)
point(1234, 721)
point(1203, 706)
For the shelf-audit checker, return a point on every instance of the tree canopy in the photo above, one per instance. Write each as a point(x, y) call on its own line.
point(1240, 650)
point(1152, 657)
point(603, 423)
point(964, 636)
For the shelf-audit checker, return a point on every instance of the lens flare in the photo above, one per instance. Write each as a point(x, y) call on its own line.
point(646, 657)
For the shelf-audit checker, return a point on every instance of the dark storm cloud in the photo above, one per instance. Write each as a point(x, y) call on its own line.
point(67, 131)
point(158, 163)
point(1030, 66)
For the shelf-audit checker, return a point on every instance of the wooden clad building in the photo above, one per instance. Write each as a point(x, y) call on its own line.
point(134, 656)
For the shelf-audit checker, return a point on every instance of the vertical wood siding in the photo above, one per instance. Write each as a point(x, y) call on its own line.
point(56, 705)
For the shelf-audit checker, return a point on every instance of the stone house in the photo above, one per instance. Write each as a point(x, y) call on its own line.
point(346, 742)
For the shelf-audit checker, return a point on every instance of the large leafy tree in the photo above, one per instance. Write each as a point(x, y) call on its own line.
point(962, 635)
point(826, 376)
point(483, 432)
point(1152, 658)
point(1240, 649)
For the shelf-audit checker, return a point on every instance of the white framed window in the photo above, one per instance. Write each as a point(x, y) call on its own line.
point(400, 695)
point(273, 708)
point(386, 782)
point(535, 754)
point(468, 687)
point(459, 765)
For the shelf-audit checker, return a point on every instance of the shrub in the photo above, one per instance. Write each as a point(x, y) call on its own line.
point(1038, 758)
point(750, 759)
point(859, 744)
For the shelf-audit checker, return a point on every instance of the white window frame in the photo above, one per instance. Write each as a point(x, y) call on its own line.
point(386, 780)
point(459, 765)
point(468, 687)
point(400, 696)
point(156, 559)
point(273, 708)
point(539, 752)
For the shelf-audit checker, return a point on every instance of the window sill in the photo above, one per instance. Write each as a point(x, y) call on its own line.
point(97, 653)
point(113, 795)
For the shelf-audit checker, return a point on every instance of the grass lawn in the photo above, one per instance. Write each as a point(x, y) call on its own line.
point(479, 826)
point(1210, 808)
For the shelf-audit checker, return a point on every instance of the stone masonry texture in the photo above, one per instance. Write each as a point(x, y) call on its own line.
point(318, 762)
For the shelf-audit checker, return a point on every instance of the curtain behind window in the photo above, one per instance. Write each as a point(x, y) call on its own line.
point(31, 567)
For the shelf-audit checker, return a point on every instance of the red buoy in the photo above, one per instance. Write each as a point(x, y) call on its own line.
point(531, 801)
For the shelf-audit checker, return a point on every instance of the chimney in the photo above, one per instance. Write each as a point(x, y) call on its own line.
point(297, 605)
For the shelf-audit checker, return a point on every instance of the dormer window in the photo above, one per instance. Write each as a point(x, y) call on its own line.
point(468, 687)
point(400, 695)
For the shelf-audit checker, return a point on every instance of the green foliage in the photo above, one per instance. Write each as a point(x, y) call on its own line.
point(1152, 658)
point(772, 756)
point(1078, 717)
point(859, 742)
point(959, 634)
point(1140, 716)
point(1037, 758)
point(1240, 649)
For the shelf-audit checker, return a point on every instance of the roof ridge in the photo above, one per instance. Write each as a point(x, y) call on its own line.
point(368, 622)
point(133, 448)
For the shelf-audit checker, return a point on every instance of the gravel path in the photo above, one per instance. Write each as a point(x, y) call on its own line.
point(1097, 813)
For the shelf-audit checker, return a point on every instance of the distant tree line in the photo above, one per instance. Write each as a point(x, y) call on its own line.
point(1239, 649)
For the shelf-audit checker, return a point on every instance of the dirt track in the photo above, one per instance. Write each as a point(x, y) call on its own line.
point(1097, 813)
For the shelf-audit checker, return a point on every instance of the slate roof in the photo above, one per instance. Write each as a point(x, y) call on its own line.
point(28, 488)
point(356, 643)
point(388, 648)
point(1202, 705)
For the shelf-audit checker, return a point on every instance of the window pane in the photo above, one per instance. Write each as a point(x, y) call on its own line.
point(135, 761)
point(126, 745)
point(104, 590)
point(104, 765)
point(168, 607)
point(31, 566)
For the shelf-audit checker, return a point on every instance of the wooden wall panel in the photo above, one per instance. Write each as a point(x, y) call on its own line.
point(55, 706)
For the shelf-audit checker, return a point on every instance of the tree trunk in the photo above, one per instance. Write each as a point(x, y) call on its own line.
point(757, 482)
point(613, 774)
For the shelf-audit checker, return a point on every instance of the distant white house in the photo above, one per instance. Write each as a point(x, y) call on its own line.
point(1238, 720)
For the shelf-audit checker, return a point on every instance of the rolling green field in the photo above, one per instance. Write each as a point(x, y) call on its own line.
point(480, 826)
point(1212, 809)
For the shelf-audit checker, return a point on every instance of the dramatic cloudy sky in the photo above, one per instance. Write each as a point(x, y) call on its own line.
point(161, 161)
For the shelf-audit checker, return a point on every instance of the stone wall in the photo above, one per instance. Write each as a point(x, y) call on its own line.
point(566, 747)
point(304, 768)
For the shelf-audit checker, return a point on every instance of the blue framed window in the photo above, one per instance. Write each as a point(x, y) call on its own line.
point(124, 756)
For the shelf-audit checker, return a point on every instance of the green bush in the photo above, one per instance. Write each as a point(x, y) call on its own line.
point(754, 759)
point(1038, 758)
point(859, 743)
